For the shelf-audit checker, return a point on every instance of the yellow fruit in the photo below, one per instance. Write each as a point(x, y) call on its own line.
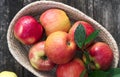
point(7, 74)
point(55, 20)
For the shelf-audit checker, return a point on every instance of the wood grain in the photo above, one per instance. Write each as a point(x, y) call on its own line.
point(106, 12)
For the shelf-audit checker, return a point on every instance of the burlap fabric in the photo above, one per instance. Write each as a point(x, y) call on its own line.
point(20, 51)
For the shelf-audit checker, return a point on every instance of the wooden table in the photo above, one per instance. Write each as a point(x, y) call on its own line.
point(106, 12)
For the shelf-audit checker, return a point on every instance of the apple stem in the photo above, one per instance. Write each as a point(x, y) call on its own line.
point(44, 57)
point(68, 43)
point(89, 64)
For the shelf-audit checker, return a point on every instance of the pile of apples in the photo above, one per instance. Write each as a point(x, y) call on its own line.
point(58, 50)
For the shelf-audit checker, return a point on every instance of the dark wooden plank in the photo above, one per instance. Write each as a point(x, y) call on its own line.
point(8, 8)
point(26, 2)
point(7, 11)
point(6, 60)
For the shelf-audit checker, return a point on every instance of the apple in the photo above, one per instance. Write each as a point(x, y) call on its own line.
point(27, 30)
point(87, 26)
point(59, 47)
point(101, 54)
point(38, 58)
point(73, 68)
point(54, 20)
point(7, 74)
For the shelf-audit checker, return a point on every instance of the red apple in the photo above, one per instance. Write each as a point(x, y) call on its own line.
point(59, 47)
point(87, 26)
point(38, 58)
point(27, 30)
point(73, 68)
point(55, 20)
point(102, 55)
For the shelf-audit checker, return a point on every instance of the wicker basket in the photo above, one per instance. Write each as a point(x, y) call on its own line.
point(20, 51)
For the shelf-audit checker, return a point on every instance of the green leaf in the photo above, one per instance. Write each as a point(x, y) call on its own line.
point(87, 62)
point(80, 36)
point(114, 72)
point(83, 73)
point(87, 58)
point(98, 73)
point(91, 37)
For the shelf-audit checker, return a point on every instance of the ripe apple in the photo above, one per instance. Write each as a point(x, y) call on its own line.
point(102, 55)
point(73, 68)
point(27, 30)
point(59, 47)
point(38, 59)
point(54, 20)
point(87, 26)
point(7, 74)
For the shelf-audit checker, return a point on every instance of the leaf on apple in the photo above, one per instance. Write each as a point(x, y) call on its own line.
point(83, 73)
point(114, 72)
point(98, 73)
point(91, 37)
point(80, 36)
point(87, 58)
point(82, 41)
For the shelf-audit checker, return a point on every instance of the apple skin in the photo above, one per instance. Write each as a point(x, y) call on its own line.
point(27, 30)
point(38, 59)
point(87, 26)
point(55, 20)
point(59, 47)
point(102, 55)
point(73, 68)
point(8, 74)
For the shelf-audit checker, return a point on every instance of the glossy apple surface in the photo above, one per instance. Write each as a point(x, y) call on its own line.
point(38, 59)
point(27, 30)
point(73, 68)
point(101, 55)
point(59, 47)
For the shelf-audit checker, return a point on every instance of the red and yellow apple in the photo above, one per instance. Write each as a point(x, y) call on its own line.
point(54, 20)
point(38, 58)
point(101, 54)
point(73, 68)
point(27, 30)
point(87, 26)
point(59, 47)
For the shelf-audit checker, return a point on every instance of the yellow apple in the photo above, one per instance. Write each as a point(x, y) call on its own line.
point(54, 20)
point(7, 74)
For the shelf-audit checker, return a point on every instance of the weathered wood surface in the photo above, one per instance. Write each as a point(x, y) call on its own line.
point(106, 12)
